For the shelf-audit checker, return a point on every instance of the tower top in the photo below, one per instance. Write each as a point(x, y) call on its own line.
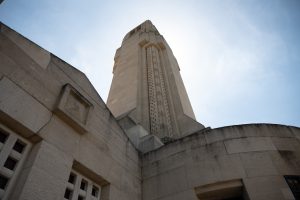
point(145, 27)
point(147, 88)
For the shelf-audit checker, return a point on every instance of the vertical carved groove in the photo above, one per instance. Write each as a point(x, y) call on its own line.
point(160, 120)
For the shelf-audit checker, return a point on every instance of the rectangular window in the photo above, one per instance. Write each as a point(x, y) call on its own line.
point(13, 151)
point(80, 187)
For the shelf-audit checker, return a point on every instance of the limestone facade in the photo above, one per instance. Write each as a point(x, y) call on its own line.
point(59, 140)
point(53, 109)
point(147, 86)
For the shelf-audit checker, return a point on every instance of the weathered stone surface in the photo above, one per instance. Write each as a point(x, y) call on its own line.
point(149, 143)
point(38, 54)
point(135, 134)
point(147, 85)
point(249, 144)
point(258, 156)
point(22, 107)
point(267, 187)
point(258, 164)
point(227, 157)
point(29, 94)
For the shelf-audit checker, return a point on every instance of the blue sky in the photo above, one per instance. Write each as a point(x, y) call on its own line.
point(239, 60)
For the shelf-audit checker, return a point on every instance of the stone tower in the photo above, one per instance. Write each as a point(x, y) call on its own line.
point(58, 140)
point(147, 88)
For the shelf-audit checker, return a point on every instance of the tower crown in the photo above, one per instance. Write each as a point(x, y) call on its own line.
point(147, 88)
point(146, 26)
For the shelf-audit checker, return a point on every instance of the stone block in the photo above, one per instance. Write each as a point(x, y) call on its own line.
point(89, 154)
point(286, 144)
point(52, 174)
point(208, 151)
point(51, 187)
point(231, 167)
point(249, 144)
point(165, 184)
point(214, 169)
point(195, 140)
point(283, 163)
point(214, 136)
point(204, 172)
point(232, 132)
point(60, 135)
point(135, 133)
point(162, 166)
point(268, 187)
point(168, 150)
point(36, 53)
point(295, 131)
point(149, 143)
point(61, 165)
point(21, 107)
point(187, 194)
point(258, 164)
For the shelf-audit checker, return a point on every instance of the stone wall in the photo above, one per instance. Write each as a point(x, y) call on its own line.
point(62, 126)
point(54, 106)
point(259, 155)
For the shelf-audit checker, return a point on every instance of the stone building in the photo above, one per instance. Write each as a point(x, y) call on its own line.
point(59, 140)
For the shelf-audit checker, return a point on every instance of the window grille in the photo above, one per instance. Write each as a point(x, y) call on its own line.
point(13, 151)
point(80, 187)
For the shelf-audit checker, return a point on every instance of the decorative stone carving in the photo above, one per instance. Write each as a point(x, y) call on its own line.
point(73, 108)
point(160, 121)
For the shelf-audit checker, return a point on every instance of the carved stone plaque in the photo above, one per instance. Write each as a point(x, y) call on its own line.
point(73, 108)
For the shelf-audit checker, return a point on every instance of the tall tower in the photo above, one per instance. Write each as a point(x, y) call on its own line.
point(147, 87)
